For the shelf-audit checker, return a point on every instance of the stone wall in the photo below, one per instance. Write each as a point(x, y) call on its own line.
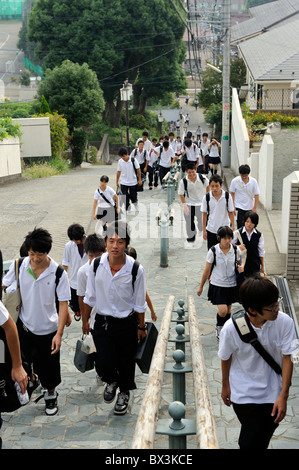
point(293, 238)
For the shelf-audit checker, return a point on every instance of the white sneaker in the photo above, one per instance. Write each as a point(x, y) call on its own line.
point(51, 403)
point(189, 245)
point(218, 331)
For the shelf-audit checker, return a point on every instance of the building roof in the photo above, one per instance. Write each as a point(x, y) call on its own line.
point(274, 55)
point(265, 17)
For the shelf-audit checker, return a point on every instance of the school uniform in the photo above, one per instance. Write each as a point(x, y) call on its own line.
point(218, 215)
point(141, 157)
point(38, 319)
point(244, 196)
point(73, 259)
point(105, 210)
point(115, 327)
point(203, 149)
point(128, 179)
point(255, 246)
point(223, 281)
point(254, 385)
point(193, 198)
point(165, 161)
point(214, 157)
point(151, 168)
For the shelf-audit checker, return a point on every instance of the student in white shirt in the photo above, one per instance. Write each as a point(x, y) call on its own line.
point(141, 155)
point(9, 335)
point(245, 193)
point(214, 157)
point(152, 167)
point(172, 141)
point(203, 148)
point(94, 246)
point(167, 158)
point(221, 269)
point(146, 142)
point(191, 198)
point(129, 174)
point(216, 212)
point(190, 154)
point(40, 327)
point(119, 321)
point(73, 258)
point(257, 392)
point(106, 203)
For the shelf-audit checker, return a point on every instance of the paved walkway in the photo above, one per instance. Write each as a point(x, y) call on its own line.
point(84, 420)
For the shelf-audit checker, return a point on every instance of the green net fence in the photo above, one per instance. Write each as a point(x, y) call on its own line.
point(11, 9)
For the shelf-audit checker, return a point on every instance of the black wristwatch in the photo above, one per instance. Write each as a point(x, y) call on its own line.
point(142, 329)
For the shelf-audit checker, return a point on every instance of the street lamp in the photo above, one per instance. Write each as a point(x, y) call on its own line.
point(125, 95)
point(160, 119)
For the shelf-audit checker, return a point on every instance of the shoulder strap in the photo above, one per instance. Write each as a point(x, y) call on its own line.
point(208, 204)
point(185, 186)
point(202, 178)
point(96, 264)
point(18, 263)
point(133, 272)
point(105, 199)
point(133, 161)
point(59, 272)
point(248, 335)
point(135, 152)
point(227, 198)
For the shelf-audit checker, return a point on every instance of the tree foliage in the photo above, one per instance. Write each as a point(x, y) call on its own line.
point(74, 92)
point(119, 39)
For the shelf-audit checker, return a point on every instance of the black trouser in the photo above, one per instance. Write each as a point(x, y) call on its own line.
point(194, 211)
point(240, 217)
point(152, 176)
point(37, 351)
point(130, 192)
point(211, 239)
point(116, 342)
point(162, 172)
point(257, 425)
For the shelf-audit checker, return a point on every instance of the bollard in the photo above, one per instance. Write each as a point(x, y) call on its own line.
point(179, 369)
point(181, 319)
point(169, 191)
point(181, 339)
point(164, 242)
point(178, 428)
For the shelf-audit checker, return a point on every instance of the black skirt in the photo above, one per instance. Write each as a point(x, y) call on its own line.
point(214, 160)
point(223, 295)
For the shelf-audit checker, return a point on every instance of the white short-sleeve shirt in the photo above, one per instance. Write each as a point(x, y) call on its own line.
point(72, 259)
point(4, 315)
point(251, 379)
point(108, 193)
point(244, 192)
point(81, 287)
point(219, 211)
point(223, 273)
point(114, 295)
point(192, 154)
point(128, 175)
point(166, 156)
point(196, 191)
point(38, 309)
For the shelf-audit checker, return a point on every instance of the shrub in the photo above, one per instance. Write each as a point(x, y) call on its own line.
point(78, 145)
point(9, 129)
point(59, 133)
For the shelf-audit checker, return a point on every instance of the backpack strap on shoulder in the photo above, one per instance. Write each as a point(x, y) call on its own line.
point(96, 264)
point(134, 272)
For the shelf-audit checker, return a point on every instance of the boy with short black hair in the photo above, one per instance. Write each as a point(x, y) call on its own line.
point(129, 174)
point(39, 325)
point(73, 258)
point(257, 392)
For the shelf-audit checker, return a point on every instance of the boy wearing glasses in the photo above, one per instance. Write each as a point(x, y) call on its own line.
point(258, 394)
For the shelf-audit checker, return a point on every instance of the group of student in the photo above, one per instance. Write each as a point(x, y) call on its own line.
point(105, 287)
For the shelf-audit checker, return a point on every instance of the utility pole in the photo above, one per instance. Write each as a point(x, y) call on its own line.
point(226, 86)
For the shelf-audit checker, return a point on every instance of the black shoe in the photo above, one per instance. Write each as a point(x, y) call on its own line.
point(110, 392)
point(51, 403)
point(122, 402)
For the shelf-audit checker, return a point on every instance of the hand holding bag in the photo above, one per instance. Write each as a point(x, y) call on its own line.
point(83, 361)
point(12, 296)
point(146, 347)
point(244, 252)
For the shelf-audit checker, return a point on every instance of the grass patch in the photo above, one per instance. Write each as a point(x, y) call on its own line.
point(43, 170)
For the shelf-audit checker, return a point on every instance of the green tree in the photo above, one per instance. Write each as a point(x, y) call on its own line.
point(211, 89)
point(119, 39)
point(73, 91)
point(44, 107)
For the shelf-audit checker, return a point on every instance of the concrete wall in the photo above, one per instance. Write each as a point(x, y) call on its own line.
point(36, 137)
point(239, 135)
point(265, 171)
point(10, 162)
point(290, 240)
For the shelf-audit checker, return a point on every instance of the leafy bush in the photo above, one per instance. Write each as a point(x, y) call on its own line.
point(78, 145)
point(9, 129)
